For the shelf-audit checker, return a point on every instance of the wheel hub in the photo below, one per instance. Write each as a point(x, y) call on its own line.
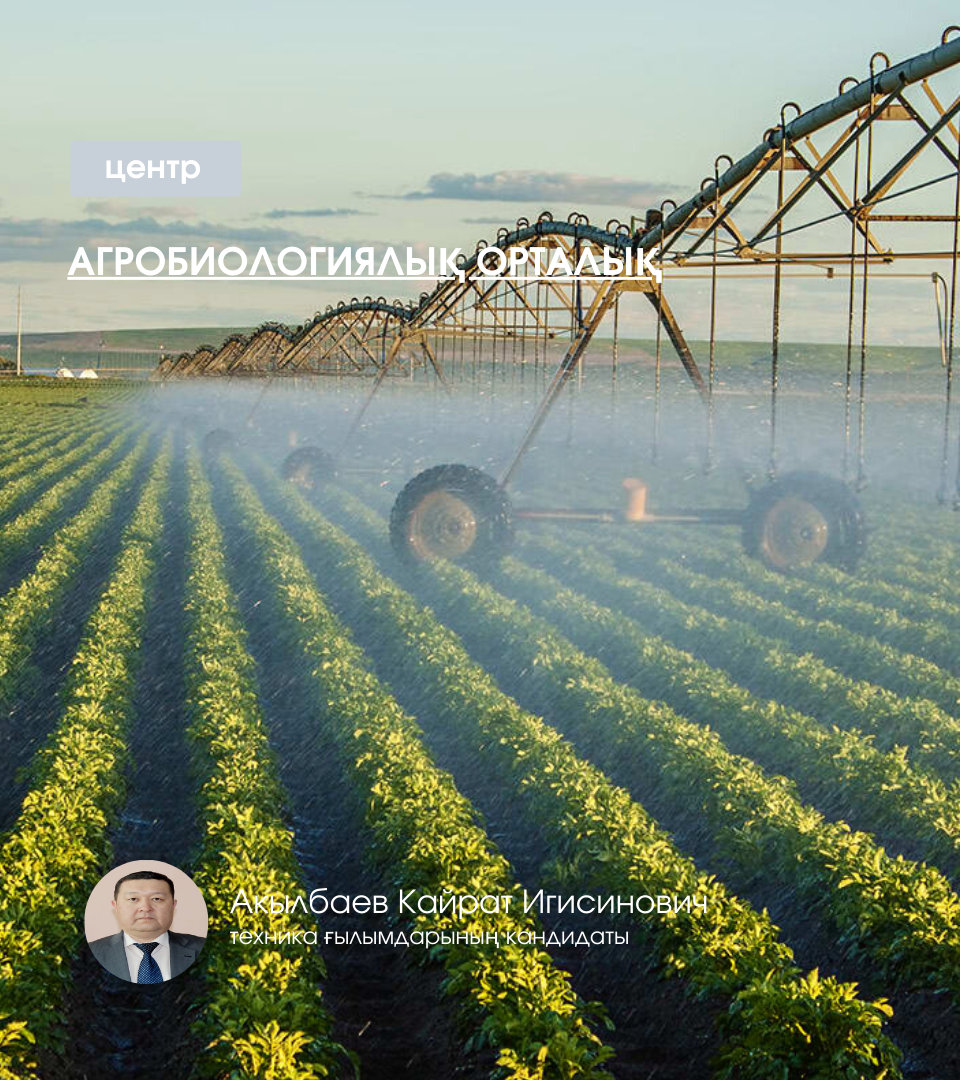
point(795, 533)
point(442, 526)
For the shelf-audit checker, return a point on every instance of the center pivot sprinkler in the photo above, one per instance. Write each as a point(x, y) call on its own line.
point(882, 137)
point(461, 514)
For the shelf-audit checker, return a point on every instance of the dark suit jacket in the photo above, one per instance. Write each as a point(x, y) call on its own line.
point(184, 949)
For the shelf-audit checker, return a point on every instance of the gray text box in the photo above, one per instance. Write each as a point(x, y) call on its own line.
point(218, 163)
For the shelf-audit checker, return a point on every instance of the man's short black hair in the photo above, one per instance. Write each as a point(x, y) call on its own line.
point(142, 875)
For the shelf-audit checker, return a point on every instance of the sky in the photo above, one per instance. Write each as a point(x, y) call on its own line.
point(422, 123)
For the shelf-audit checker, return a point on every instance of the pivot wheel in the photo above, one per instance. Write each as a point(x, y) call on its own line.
point(804, 518)
point(309, 467)
point(452, 512)
point(217, 441)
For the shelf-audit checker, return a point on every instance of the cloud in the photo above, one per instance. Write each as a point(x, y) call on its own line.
point(127, 211)
point(525, 186)
point(322, 212)
point(494, 219)
point(49, 240)
point(52, 240)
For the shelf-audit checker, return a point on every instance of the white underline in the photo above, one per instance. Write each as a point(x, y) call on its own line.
point(370, 280)
point(242, 277)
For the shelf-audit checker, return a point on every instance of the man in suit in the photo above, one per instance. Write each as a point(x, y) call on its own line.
point(146, 950)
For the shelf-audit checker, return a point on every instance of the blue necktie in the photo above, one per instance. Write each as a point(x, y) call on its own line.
point(149, 971)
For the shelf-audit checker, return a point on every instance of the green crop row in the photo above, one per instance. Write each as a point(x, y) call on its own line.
point(263, 1017)
point(51, 462)
point(835, 605)
point(892, 563)
point(808, 683)
point(23, 530)
point(28, 439)
point(916, 525)
point(20, 455)
point(915, 593)
point(20, 420)
point(27, 608)
point(21, 452)
point(845, 767)
point(780, 1022)
point(58, 848)
point(857, 656)
point(425, 832)
point(823, 592)
point(21, 425)
point(32, 393)
point(918, 606)
point(929, 579)
point(903, 914)
point(881, 786)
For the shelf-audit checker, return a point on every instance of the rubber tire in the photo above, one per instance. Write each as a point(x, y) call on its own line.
point(485, 497)
point(835, 501)
point(315, 467)
point(217, 441)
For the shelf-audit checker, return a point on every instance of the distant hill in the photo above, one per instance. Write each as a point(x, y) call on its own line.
point(125, 350)
point(139, 350)
point(172, 340)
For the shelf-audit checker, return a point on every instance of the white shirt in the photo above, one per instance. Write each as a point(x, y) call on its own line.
point(135, 956)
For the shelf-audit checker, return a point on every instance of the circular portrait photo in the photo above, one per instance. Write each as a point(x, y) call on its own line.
point(146, 922)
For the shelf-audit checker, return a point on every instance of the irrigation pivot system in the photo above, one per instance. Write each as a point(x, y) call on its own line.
point(344, 340)
point(861, 188)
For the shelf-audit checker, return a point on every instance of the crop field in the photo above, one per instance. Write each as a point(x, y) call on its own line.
point(205, 664)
